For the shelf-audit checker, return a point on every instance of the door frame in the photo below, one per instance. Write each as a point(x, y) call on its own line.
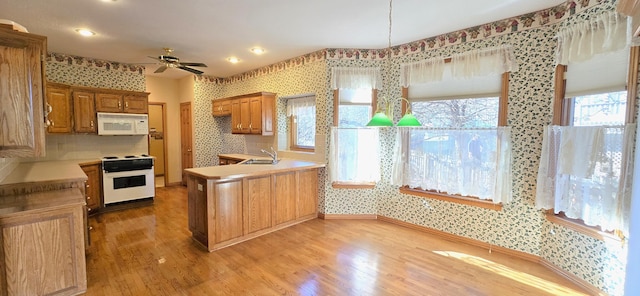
point(182, 165)
point(164, 140)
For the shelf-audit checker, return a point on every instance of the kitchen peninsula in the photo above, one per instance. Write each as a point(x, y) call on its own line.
point(234, 203)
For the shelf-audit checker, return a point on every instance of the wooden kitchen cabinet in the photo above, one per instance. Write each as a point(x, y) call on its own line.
point(253, 114)
point(222, 160)
point(221, 107)
point(135, 104)
point(93, 188)
point(22, 78)
point(224, 210)
point(285, 193)
point(228, 210)
point(107, 102)
point(119, 103)
point(59, 102)
point(258, 201)
point(84, 112)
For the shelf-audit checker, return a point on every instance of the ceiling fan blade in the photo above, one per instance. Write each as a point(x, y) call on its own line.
point(193, 64)
point(161, 69)
point(194, 71)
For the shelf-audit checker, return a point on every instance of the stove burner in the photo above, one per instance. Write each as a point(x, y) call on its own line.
point(130, 156)
point(110, 157)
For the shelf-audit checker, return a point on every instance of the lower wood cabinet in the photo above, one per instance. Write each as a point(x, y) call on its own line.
point(258, 198)
point(93, 188)
point(42, 245)
point(228, 211)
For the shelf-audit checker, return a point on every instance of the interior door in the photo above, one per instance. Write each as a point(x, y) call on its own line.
point(186, 138)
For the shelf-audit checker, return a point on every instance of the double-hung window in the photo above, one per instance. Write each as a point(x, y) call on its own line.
point(302, 123)
point(354, 156)
point(462, 152)
point(586, 161)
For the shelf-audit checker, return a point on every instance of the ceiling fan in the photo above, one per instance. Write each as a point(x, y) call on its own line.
point(169, 61)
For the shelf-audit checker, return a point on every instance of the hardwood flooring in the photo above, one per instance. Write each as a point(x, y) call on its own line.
point(149, 251)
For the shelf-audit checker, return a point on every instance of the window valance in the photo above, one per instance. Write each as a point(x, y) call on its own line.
point(354, 78)
point(479, 62)
point(607, 32)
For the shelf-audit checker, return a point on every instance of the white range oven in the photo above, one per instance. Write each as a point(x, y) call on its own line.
point(127, 178)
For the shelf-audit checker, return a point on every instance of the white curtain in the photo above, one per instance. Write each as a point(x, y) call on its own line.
point(354, 78)
point(301, 103)
point(354, 155)
point(586, 172)
point(468, 162)
point(607, 32)
point(479, 62)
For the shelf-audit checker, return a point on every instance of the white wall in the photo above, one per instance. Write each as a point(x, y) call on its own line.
point(165, 90)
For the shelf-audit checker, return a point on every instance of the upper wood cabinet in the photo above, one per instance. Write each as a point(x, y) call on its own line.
point(22, 93)
point(136, 104)
point(59, 104)
point(252, 113)
point(221, 108)
point(118, 103)
point(84, 112)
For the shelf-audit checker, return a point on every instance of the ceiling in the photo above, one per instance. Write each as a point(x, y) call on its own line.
point(209, 31)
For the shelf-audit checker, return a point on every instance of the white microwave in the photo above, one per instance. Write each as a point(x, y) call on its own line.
point(123, 124)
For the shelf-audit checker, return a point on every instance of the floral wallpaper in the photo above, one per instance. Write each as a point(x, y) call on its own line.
point(81, 71)
point(519, 225)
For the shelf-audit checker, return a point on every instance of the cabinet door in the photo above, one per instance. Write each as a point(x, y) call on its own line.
point(59, 100)
point(284, 193)
point(108, 102)
point(22, 94)
point(216, 108)
point(136, 104)
point(228, 208)
point(245, 115)
point(84, 112)
point(93, 187)
point(268, 114)
point(236, 114)
point(258, 200)
point(307, 193)
point(255, 117)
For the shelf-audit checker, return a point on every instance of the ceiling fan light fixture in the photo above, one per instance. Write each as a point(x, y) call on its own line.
point(233, 60)
point(257, 50)
point(85, 32)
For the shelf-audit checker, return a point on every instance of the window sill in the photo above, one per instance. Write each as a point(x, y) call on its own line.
point(470, 201)
point(302, 149)
point(582, 228)
point(353, 185)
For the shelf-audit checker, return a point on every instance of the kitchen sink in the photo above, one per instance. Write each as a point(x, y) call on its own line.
point(258, 161)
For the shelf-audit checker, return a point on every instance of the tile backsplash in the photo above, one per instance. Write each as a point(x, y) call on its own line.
point(73, 146)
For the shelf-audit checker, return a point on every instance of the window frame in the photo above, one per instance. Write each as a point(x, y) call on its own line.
point(336, 121)
point(503, 105)
point(561, 116)
point(293, 130)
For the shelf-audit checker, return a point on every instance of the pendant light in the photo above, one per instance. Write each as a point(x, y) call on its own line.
point(384, 114)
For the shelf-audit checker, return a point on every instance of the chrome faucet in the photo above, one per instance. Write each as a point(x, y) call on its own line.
point(273, 154)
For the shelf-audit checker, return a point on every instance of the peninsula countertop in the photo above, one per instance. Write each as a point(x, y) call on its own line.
point(236, 171)
point(47, 171)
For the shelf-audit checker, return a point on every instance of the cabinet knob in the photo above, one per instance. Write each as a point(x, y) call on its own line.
point(119, 104)
point(88, 209)
point(249, 125)
point(126, 104)
point(52, 123)
point(90, 227)
point(88, 197)
point(91, 122)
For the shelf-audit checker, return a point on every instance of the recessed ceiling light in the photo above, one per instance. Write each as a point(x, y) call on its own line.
point(233, 60)
point(85, 32)
point(257, 50)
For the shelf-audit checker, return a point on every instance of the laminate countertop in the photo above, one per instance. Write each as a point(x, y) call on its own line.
point(236, 171)
point(46, 171)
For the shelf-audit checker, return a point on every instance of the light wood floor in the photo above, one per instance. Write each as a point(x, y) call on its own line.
point(149, 251)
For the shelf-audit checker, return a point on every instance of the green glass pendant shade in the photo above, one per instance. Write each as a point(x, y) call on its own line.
point(409, 120)
point(380, 119)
